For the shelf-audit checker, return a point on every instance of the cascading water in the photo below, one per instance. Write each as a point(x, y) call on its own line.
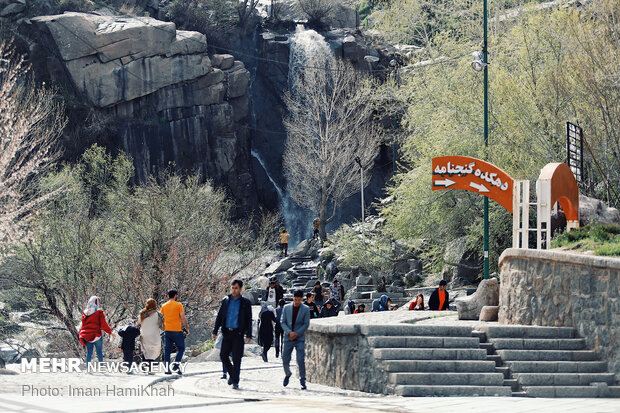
point(308, 49)
point(297, 220)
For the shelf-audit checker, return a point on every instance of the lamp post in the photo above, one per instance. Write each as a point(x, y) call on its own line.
point(480, 64)
point(359, 162)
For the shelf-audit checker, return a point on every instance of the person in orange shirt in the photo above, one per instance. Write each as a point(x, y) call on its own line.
point(439, 298)
point(174, 322)
point(284, 236)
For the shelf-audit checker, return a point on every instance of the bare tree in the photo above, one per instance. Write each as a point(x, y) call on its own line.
point(330, 123)
point(31, 120)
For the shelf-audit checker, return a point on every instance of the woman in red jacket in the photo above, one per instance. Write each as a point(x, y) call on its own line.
point(93, 321)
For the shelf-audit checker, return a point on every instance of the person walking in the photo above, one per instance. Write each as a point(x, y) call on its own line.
point(279, 291)
point(128, 336)
point(278, 329)
point(295, 322)
point(439, 298)
point(93, 323)
point(174, 322)
point(265, 330)
point(284, 236)
point(235, 319)
point(316, 224)
point(151, 324)
point(270, 293)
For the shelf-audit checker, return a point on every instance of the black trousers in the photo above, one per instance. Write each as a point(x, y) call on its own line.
point(128, 355)
point(232, 344)
point(278, 338)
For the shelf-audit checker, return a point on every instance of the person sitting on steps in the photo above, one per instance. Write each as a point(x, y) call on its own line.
point(439, 298)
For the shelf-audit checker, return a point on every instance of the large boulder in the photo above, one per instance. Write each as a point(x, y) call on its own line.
point(460, 266)
point(307, 248)
point(487, 294)
point(279, 266)
point(592, 211)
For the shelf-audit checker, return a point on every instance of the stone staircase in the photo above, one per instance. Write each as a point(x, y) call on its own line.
point(435, 361)
point(550, 362)
point(304, 276)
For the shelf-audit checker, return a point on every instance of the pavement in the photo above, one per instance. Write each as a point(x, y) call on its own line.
point(201, 388)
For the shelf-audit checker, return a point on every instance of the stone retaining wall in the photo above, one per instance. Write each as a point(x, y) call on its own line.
point(339, 356)
point(552, 288)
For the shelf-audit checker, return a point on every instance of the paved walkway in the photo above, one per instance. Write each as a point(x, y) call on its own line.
point(260, 391)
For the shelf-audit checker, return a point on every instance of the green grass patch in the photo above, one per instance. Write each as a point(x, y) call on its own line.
point(602, 239)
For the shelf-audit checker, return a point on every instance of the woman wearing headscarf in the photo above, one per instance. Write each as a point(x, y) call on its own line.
point(385, 303)
point(375, 306)
point(93, 322)
point(350, 308)
point(151, 322)
point(265, 331)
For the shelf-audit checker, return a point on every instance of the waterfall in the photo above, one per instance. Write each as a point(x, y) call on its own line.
point(307, 48)
point(297, 220)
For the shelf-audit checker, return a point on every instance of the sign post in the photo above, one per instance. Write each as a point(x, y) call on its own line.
point(475, 175)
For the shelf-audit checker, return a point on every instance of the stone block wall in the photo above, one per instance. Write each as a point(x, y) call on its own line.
point(339, 356)
point(552, 288)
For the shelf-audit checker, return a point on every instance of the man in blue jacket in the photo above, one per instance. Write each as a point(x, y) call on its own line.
point(235, 319)
point(295, 322)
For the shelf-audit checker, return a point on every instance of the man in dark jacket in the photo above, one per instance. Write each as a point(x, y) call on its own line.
point(279, 291)
point(439, 298)
point(235, 319)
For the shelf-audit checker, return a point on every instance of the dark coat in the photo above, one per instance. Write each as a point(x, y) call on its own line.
point(332, 312)
point(279, 293)
point(433, 302)
point(314, 310)
point(128, 335)
point(265, 331)
point(245, 316)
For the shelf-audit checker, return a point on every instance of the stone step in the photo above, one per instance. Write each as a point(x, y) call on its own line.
point(447, 379)
point(504, 370)
point(512, 383)
point(429, 354)
point(519, 394)
point(439, 366)
point(538, 343)
point(561, 391)
point(422, 342)
point(495, 359)
point(614, 391)
point(480, 334)
point(405, 329)
point(557, 366)
point(547, 355)
point(425, 391)
point(563, 379)
point(365, 288)
point(529, 332)
point(488, 347)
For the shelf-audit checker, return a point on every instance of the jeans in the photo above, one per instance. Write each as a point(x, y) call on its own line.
point(300, 353)
point(232, 344)
point(178, 338)
point(98, 345)
point(284, 248)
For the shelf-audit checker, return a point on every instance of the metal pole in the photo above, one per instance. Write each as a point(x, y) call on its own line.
point(362, 187)
point(486, 137)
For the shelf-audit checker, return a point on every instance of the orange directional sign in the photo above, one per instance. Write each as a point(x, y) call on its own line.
point(471, 174)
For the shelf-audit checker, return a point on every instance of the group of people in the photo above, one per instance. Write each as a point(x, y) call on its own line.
point(289, 322)
point(171, 319)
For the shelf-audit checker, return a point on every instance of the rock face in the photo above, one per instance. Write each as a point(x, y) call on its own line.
point(171, 102)
point(460, 268)
point(489, 313)
point(592, 211)
point(487, 294)
point(551, 288)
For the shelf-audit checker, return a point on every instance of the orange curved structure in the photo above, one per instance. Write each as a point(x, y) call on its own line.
point(564, 188)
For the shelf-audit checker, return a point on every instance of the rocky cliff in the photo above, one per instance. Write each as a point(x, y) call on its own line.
point(172, 103)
